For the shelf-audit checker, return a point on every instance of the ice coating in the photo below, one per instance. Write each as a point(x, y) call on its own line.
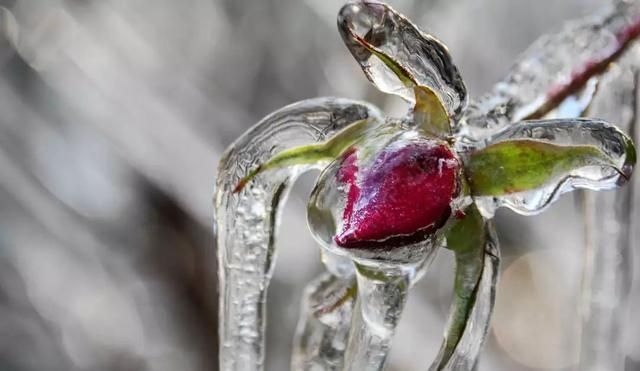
point(371, 26)
point(382, 294)
point(246, 221)
point(554, 68)
point(570, 132)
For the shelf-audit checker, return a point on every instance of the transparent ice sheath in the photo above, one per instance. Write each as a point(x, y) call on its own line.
point(321, 338)
point(421, 55)
point(327, 318)
point(246, 221)
point(584, 132)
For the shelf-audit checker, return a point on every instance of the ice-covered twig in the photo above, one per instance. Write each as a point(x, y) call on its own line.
point(608, 253)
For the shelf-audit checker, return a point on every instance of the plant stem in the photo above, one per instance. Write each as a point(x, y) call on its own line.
point(323, 329)
point(382, 294)
point(607, 270)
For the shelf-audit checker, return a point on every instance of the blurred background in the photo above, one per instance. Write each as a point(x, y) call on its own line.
point(113, 116)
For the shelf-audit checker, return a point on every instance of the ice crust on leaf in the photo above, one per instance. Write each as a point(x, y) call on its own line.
point(600, 135)
point(396, 56)
point(323, 330)
point(523, 165)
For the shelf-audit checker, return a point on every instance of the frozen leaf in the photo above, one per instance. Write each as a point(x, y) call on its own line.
point(396, 56)
point(246, 220)
point(553, 157)
point(382, 294)
point(524, 165)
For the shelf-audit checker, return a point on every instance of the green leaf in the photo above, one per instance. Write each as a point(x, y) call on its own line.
point(520, 165)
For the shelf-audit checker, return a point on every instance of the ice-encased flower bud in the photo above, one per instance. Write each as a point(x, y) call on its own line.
point(387, 191)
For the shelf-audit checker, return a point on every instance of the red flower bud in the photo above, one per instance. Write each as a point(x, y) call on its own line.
point(404, 195)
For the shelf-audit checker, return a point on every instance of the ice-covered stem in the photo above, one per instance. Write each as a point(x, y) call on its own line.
point(592, 67)
point(473, 242)
point(311, 154)
point(382, 294)
point(554, 68)
point(246, 220)
point(466, 239)
point(323, 329)
point(606, 280)
point(608, 253)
